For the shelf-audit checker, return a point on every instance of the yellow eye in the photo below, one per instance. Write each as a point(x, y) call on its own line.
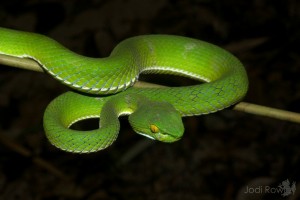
point(154, 129)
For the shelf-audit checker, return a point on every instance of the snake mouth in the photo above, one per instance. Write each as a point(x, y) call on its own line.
point(166, 138)
point(162, 137)
point(175, 139)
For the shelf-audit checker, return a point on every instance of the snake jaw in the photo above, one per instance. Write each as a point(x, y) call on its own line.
point(166, 138)
point(161, 137)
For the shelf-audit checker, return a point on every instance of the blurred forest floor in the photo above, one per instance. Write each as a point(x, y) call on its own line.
point(220, 156)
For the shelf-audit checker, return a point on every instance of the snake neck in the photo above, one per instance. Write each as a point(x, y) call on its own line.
point(122, 104)
point(116, 106)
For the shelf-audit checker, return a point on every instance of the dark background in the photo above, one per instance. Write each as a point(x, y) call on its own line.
point(220, 153)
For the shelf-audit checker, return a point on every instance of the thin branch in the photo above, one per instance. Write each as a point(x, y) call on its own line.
point(268, 112)
point(29, 64)
point(23, 63)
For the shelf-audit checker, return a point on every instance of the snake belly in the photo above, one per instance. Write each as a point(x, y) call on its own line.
point(157, 109)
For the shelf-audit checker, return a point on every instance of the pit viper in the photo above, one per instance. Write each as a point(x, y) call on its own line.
point(101, 86)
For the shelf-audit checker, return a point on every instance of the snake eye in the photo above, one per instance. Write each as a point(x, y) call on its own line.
point(154, 129)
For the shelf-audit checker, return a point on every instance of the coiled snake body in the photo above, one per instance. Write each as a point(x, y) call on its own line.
point(153, 112)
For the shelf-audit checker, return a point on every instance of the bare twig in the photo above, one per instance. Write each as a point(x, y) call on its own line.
point(29, 64)
point(23, 63)
point(268, 112)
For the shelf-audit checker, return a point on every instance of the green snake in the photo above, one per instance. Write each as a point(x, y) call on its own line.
point(102, 86)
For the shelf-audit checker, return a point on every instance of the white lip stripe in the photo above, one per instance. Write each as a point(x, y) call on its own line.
point(148, 136)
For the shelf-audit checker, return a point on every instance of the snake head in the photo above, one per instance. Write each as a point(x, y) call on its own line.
point(157, 120)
